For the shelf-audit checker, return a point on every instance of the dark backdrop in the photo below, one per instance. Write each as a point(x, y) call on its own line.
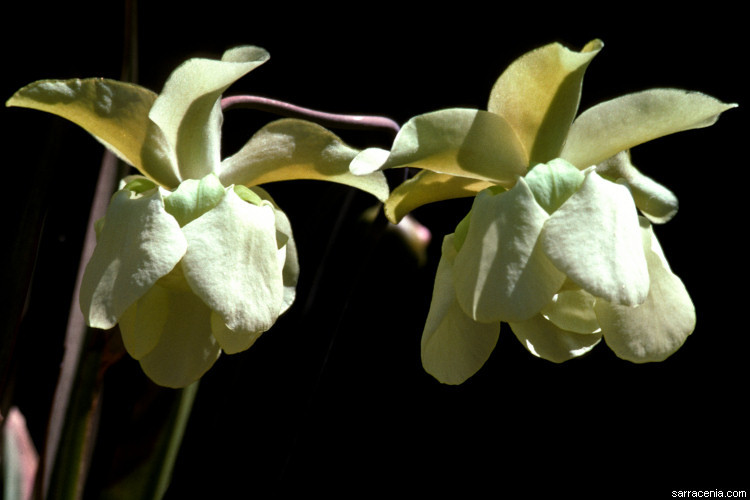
point(334, 398)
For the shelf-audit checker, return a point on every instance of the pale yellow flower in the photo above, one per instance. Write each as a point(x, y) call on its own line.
point(554, 244)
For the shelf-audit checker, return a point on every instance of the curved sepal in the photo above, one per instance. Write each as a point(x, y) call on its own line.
point(115, 113)
point(463, 142)
point(428, 187)
point(290, 149)
point(538, 94)
point(188, 110)
point(619, 124)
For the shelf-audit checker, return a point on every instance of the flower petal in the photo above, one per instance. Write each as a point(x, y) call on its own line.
point(538, 94)
point(186, 348)
point(231, 342)
point(573, 310)
point(291, 149)
point(654, 330)
point(463, 142)
point(116, 113)
point(545, 340)
point(427, 187)
point(594, 238)
point(138, 244)
point(624, 122)
point(188, 110)
point(143, 322)
point(655, 201)
point(454, 347)
point(501, 274)
point(232, 264)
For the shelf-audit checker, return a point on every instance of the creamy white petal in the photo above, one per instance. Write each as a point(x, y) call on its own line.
point(654, 330)
point(454, 347)
point(573, 310)
point(186, 348)
point(501, 273)
point(545, 340)
point(595, 239)
point(231, 263)
point(138, 244)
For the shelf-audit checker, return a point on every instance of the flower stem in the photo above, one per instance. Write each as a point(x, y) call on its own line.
point(323, 118)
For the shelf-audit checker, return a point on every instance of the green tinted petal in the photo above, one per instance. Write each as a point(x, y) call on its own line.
point(291, 149)
point(193, 198)
point(188, 109)
point(116, 113)
point(554, 182)
point(143, 322)
point(501, 273)
point(545, 340)
point(139, 243)
point(573, 310)
point(186, 347)
point(232, 263)
point(594, 238)
point(454, 347)
point(655, 201)
point(428, 187)
point(622, 123)
point(657, 328)
point(539, 94)
point(463, 142)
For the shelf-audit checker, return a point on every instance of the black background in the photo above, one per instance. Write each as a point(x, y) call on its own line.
point(333, 399)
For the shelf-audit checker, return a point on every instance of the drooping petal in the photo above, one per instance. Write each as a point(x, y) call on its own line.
point(545, 340)
point(655, 201)
point(594, 238)
point(116, 113)
point(501, 273)
point(138, 244)
point(538, 94)
point(573, 310)
point(188, 111)
point(624, 122)
point(463, 142)
point(186, 348)
point(143, 322)
point(291, 149)
point(231, 263)
point(654, 330)
point(427, 187)
point(454, 347)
